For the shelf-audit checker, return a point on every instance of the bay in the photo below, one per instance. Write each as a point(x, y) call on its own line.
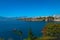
point(6, 28)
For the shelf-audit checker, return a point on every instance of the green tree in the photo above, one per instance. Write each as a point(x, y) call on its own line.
point(30, 35)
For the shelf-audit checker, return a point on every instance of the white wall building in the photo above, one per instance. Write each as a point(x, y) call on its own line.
point(56, 17)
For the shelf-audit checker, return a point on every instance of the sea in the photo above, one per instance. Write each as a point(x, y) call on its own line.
point(6, 28)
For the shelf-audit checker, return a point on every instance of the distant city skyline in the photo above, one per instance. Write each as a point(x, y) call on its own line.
point(29, 8)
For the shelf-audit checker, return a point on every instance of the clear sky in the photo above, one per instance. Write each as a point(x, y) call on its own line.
point(30, 8)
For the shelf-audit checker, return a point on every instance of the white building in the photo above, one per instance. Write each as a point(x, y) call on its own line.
point(56, 17)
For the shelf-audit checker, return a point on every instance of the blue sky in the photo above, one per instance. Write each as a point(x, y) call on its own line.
point(30, 8)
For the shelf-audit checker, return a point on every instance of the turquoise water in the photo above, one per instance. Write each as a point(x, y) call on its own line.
point(6, 28)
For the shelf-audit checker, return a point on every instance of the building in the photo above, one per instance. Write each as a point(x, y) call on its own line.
point(56, 17)
point(49, 19)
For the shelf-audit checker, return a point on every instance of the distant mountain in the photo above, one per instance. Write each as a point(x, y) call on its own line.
point(7, 19)
point(2, 18)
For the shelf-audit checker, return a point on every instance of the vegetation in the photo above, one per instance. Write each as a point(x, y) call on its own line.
point(52, 30)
